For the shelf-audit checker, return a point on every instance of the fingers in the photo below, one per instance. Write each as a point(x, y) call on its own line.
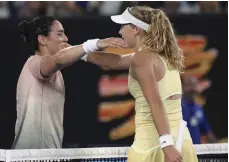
point(67, 45)
point(179, 159)
point(112, 42)
point(118, 42)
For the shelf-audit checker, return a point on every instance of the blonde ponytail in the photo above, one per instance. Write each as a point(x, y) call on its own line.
point(160, 37)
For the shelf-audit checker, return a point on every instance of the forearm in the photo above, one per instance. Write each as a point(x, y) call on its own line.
point(106, 60)
point(160, 119)
point(68, 56)
point(71, 54)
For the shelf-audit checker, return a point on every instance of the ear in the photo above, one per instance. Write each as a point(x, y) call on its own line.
point(41, 40)
point(137, 30)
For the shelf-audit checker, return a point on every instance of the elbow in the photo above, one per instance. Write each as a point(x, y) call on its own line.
point(116, 64)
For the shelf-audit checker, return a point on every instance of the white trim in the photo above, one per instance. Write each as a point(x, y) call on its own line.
point(88, 153)
point(126, 18)
point(180, 135)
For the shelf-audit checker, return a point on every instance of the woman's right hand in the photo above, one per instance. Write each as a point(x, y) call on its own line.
point(111, 42)
point(172, 154)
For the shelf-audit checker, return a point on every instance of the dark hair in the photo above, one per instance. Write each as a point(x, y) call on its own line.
point(30, 30)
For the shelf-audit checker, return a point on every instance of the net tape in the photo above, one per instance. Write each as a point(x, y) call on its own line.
point(90, 153)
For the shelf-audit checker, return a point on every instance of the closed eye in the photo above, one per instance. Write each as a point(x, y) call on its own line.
point(60, 32)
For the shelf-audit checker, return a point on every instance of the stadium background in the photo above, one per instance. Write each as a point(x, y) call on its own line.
point(97, 100)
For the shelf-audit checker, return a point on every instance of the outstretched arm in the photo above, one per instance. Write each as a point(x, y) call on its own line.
point(67, 56)
point(50, 64)
point(110, 60)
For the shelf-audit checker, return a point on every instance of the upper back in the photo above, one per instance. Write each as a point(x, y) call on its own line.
point(170, 83)
point(168, 80)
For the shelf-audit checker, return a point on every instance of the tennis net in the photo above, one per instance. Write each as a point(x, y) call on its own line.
point(206, 153)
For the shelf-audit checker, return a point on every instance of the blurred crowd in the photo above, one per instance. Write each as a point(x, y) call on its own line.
point(63, 9)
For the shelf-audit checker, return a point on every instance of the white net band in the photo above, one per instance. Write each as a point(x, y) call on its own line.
point(90, 153)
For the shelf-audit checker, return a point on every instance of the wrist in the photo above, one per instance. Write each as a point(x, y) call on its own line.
point(97, 44)
point(90, 45)
point(166, 140)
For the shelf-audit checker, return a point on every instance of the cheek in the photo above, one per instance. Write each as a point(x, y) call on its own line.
point(54, 42)
point(54, 46)
point(54, 39)
point(130, 40)
point(127, 37)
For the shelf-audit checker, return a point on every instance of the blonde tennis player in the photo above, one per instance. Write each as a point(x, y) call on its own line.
point(154, 82)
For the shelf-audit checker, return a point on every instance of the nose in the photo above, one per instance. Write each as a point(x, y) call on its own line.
point(120, 32)
point(65, 38)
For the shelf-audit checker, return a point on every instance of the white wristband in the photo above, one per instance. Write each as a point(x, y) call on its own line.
point(90, 45)
point(166, 140)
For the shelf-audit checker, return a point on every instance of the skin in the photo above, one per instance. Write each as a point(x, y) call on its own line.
point(58, 54)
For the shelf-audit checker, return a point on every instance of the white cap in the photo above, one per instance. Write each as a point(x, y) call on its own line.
point(127, 18)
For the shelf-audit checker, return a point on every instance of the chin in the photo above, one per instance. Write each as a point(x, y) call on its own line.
point(130, 45)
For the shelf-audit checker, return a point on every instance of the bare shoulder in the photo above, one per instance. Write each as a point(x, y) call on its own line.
point(142, 58)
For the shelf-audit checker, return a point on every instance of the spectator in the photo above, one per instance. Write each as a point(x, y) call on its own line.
point(153, 4)
point(210, 7)
point(64, 9)
point(193, 7)
point(83, 6)
point(108, 8)
point(194, 114)
point(31, 8)
point(4, 10)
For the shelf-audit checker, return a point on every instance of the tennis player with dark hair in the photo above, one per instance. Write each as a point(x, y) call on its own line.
point(40, 87)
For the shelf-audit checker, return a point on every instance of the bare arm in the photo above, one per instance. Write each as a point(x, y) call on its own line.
point(143, 69)
point(63, 58)
point(71, 54)
point(110, 61)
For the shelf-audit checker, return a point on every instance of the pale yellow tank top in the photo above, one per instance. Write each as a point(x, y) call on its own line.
point(146, 136)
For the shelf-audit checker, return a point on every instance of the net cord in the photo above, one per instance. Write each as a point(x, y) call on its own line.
point(90, 153)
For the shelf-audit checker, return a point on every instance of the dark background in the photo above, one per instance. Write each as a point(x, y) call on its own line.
point(81, 79)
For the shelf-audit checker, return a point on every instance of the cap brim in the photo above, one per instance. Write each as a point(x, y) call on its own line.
point(119, 19)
